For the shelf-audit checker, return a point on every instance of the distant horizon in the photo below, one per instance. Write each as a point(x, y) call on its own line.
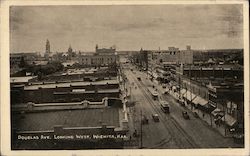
point(128, 27)
point(123, 50)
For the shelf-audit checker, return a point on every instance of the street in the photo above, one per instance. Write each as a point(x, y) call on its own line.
point(173, 131)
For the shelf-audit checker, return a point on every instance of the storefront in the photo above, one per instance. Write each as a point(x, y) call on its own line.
point(200, 102)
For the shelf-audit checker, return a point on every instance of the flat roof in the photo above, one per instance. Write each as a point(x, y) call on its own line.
point(42, 121)
point(68, 84)
point(21, 79)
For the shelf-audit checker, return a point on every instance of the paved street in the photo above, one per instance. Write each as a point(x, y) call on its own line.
point(173, 131)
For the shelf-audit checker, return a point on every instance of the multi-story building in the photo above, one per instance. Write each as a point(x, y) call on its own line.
point(174, 56)
point(217, 91)
point(171, 55)
point(186, 56)
point(215, 71)
point(102, 57)
point(228, 99)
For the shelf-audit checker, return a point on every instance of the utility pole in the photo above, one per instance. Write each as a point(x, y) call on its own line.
point(141, 128)
point(224, 111)
point(190, 85)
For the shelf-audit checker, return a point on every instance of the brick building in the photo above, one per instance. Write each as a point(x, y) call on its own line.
point(64, 92)
point(101, 57)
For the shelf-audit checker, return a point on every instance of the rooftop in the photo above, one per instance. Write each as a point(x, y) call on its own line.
point(42, 121)
point(21, 79)
point(68, 84)
point(216, 67)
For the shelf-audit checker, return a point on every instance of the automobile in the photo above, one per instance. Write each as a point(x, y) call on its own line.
point(195, 114)
point(166, 92)
point(185, 115)
point(144, 120)
point(181, 102)
point(164, 85)
point(155, 117)
point(138, 78)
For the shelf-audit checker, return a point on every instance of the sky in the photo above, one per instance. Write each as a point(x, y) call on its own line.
point(128, 27)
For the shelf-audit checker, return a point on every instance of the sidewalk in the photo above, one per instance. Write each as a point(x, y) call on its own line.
point(132, 143)
point(208, 118)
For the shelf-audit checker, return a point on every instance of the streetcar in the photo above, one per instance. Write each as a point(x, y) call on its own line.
point(153, 93)
point(164, 106)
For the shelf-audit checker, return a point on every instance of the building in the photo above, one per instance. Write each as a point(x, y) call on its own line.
point(214, 72)
point(109, 51)
point(173, 56)
point(228, 99)
point(186, 56)
point(170, 55)
point(218, 55)
point(78, 125)
point(216, 91)
point(48, 92)
point(102, 57)
point(18, 61)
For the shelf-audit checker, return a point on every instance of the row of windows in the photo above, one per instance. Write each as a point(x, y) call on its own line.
point(86, 59)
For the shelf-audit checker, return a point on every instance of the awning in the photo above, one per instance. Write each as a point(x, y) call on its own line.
point(217, 111)
point(230, 121)
point(199, 100)
point(183, 91)
point(189, 96)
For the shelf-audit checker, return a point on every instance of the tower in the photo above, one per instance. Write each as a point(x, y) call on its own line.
point(47, 46)
point(70, 49)
point(96, 47)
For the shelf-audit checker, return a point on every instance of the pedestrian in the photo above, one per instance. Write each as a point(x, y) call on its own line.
point(203, 115)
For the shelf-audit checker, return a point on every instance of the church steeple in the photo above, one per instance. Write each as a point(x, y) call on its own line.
point(70, 49)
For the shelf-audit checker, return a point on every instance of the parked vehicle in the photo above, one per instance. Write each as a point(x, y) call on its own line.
point(185, 115)
point(181, 102)
point(166, 92)
point(195, 114)
point(164, 85)
point(155, 117)
point(144, 120)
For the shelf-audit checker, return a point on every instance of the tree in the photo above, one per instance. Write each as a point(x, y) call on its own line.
point(22, 63)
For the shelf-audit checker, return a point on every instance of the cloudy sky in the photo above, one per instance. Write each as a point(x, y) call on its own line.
point(128, 27)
